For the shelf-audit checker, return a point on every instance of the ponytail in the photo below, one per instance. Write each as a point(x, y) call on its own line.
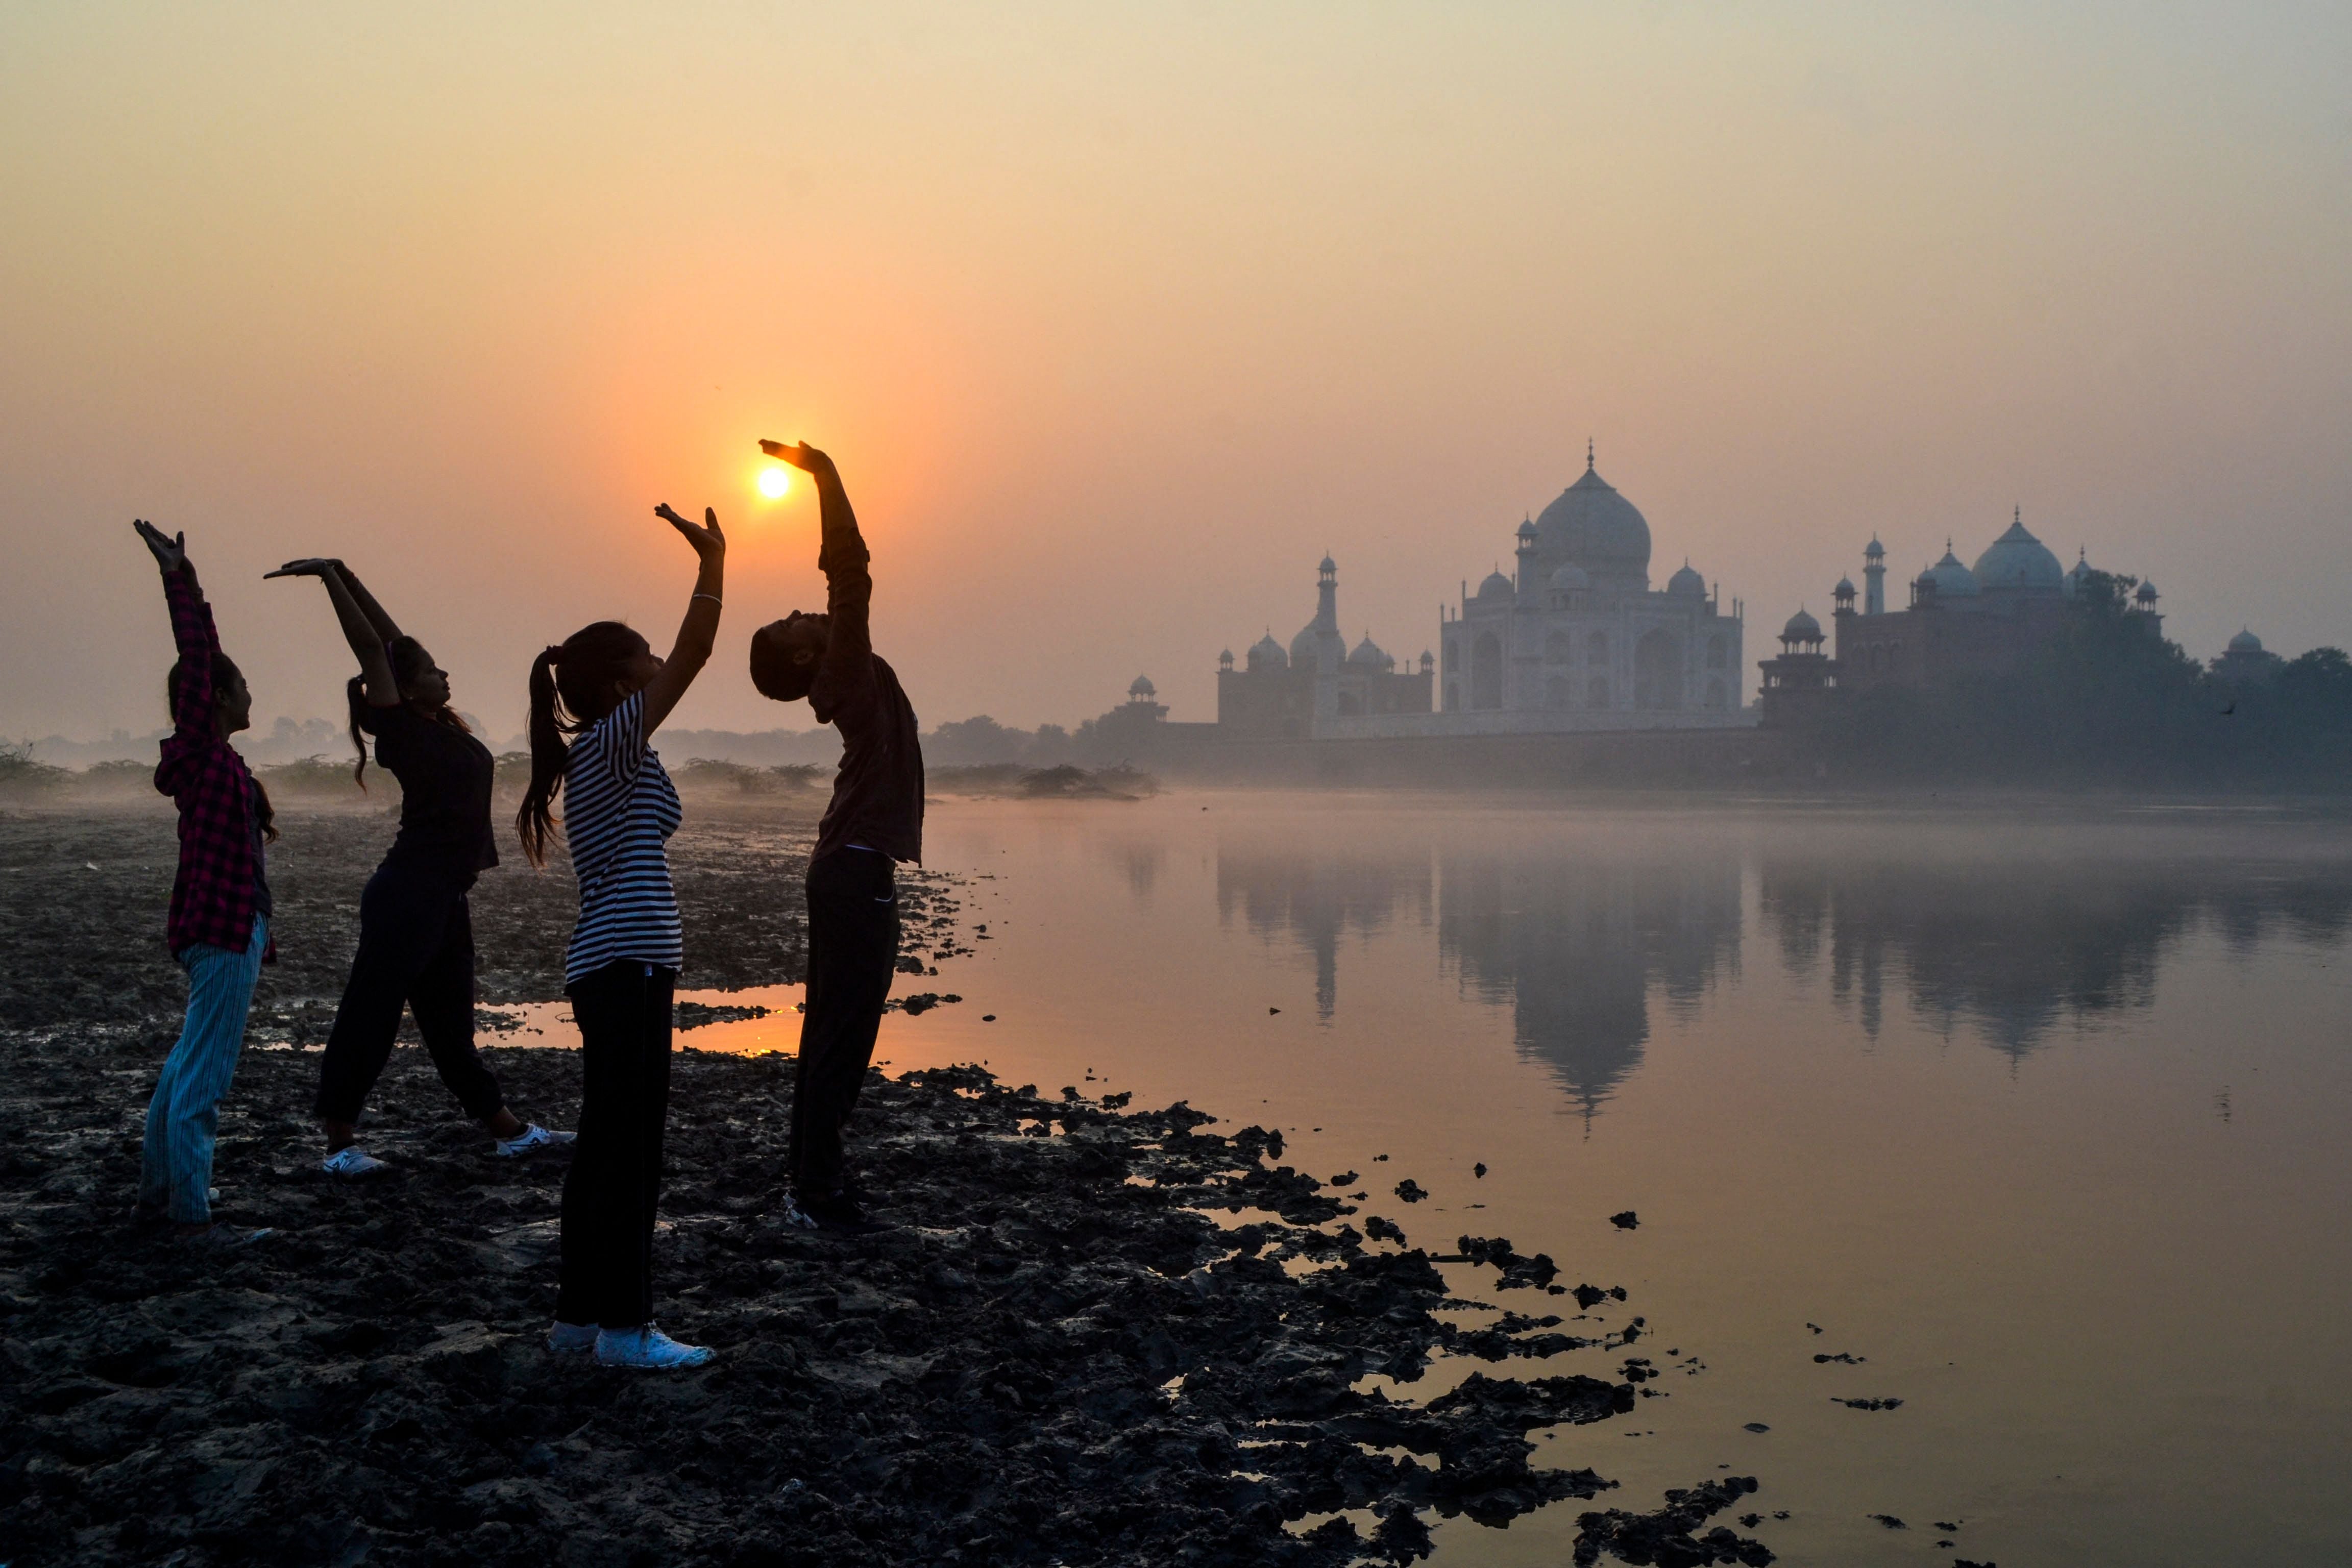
point(354, 695)
point(548, 754)
point(572, 685)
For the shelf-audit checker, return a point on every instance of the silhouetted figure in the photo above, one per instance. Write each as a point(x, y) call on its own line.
point(417, 929)
point(606, 690)
point(219, 923)
point(875, 821)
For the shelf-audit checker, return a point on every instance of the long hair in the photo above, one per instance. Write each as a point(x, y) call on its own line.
point(409, 661)
point(572, 685)
point(225, 670)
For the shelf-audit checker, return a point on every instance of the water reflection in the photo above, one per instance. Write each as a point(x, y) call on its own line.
point(1318, 899)
point(1576, 945)
point(1581, 935)
point(2009, 952)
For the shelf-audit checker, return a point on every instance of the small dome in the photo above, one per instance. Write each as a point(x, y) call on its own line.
point(1801, 627)
point(1268, 654)
point(2018, 560)
point(1687, 582)
point(1571, 579)
point(1527, 528)
point(1874, 551)
point(1368, 652)
point(1326, 563)
point(1844, 589)
point(1496, 587)
point(2077, 573)
point(2245, 642)
point(1142, 687)
point(2146, 595)
point(1953, 580)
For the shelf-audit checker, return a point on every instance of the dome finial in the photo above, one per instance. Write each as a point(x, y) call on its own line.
point(1588, 453)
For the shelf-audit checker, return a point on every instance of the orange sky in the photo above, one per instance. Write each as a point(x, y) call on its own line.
point(1117, 318)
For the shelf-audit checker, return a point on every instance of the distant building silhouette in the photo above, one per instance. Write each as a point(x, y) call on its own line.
point(1961, 620)
point(1280, 692)
point(2247, 663)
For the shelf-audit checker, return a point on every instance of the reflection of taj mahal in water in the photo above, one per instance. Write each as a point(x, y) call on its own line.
point(1573, 638)
point(1583, 946)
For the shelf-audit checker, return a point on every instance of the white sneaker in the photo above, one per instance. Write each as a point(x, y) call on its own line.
point(351, 1162)
point(531, 1139)
point(572, 1339)
point(649, 1348)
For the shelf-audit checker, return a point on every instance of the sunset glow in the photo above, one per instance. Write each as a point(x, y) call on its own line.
point(775, 482)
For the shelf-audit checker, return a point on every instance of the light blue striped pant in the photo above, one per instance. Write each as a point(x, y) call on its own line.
point(175, 1169)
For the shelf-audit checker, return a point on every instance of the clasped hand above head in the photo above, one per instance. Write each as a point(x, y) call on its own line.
point(804, 457)
point(171, 551)
point(309, 566)
point(705, 536)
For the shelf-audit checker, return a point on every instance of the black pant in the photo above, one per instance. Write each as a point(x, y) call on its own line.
point(417, 949)
point(615, 1183)
point(853, 915)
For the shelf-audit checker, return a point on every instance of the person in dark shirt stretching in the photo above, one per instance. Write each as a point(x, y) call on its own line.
point(417, 929)
point(875, 821)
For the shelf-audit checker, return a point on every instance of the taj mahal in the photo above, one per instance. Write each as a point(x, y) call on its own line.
point(1574, 637)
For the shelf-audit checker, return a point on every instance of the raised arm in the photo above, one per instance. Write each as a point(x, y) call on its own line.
point(192, 628)
point(364, 631)
point(387, 628)
point(696, 634)
point(842, 557)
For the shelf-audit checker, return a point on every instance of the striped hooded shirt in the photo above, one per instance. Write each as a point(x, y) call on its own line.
point(619, 810)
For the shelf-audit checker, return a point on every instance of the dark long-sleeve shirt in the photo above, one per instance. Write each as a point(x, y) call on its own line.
point(220, 887)
point(878, 795)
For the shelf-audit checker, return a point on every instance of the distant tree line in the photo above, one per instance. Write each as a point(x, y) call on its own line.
point(2106, 702)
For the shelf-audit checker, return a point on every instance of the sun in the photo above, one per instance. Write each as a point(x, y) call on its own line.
point(775, 482)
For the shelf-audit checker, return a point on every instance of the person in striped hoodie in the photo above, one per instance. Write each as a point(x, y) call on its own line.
point(595, 701)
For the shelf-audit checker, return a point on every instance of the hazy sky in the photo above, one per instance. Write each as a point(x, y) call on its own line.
point(1117, 317)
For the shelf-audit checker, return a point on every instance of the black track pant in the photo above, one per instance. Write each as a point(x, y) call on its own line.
point(615, 1183)
point(417, 950)
point(853, 915)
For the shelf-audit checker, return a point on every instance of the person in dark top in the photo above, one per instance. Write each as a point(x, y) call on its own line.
point(417, 932)
point(875, 821)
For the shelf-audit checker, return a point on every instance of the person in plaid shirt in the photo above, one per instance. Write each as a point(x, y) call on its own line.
point(218, 928)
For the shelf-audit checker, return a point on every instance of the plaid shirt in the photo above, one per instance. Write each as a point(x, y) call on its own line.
point(213, 897)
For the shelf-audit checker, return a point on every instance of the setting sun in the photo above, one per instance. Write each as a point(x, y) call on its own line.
point(775, 482)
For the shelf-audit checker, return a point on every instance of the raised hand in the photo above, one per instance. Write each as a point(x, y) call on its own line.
point(803, 456)
point(310, 566)
point(171, 552)
point(705, 538)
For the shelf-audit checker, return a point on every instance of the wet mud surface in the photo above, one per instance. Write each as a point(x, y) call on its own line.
point(82, 897)
point(1098, 1334)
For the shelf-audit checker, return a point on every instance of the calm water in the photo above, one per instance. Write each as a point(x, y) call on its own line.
point(2045, 1114)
